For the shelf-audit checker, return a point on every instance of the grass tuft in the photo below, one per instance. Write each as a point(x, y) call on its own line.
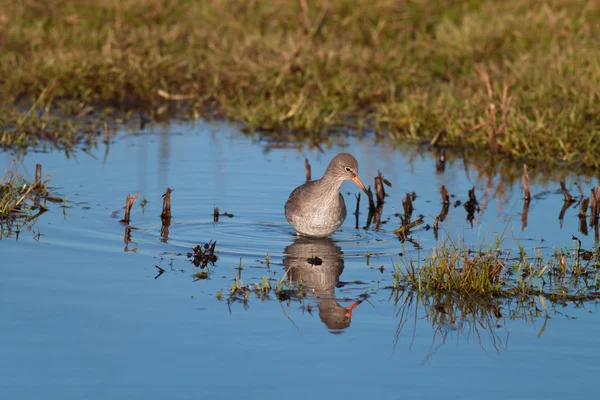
point(490, 271)
point(22, 201)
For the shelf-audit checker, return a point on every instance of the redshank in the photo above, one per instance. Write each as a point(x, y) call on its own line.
point(317, 208)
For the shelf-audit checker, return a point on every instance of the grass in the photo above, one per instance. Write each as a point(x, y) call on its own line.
point(519, 78)
point(567, 274)
point(285, 289)
point(22, 201)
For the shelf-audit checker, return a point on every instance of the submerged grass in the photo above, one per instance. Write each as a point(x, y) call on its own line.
point(525, 85)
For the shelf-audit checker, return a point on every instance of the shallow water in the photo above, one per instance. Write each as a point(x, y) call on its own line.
point(85, 315)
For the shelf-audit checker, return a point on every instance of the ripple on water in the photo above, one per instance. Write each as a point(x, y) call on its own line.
point(256, 239)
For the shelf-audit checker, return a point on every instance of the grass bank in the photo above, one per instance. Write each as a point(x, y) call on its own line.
point(518, 77)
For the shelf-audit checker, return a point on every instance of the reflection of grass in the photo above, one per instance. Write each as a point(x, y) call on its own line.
point(453, 267)
point(452, 314)
point(525, 84)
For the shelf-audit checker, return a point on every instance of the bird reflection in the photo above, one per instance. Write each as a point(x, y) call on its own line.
point(318, 263)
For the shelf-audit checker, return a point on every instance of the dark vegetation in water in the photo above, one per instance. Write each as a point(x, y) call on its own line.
point(203, 256)
point(436, 72)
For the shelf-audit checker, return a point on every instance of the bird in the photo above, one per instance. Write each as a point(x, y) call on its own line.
point(317, 208)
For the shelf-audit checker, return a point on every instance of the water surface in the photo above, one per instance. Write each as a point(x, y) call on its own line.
point(85, 316)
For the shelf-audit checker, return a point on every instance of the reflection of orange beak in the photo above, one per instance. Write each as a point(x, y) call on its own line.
point(352, 307)
point(359, 184)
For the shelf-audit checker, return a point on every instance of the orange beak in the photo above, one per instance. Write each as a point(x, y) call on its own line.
point(359, 184)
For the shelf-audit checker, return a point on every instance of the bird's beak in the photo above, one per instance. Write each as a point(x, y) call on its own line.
point(359, 184)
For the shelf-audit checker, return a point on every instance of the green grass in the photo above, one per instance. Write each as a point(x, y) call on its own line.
point(489, 271)
point(518, 76)
point(22, 201)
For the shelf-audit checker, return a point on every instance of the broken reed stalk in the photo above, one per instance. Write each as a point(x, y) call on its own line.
point(443, 213)
point(307, 168)
point(357, 196)
point(166, 207)
point(445, 195)
point(440, 163)
point(584, 206)
point(379, 189)
point(377, 215)
point(357, 203)
point(565, 192)
point(526, 187)
point(216, 214)
point(106, 133)
point(595, 206)
point(38, 175)
point(583, 228)
point(407, 204)
point(403, 230)
point(128, 205)
point(370, 196)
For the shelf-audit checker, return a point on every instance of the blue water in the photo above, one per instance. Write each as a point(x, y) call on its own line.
point(84, 317)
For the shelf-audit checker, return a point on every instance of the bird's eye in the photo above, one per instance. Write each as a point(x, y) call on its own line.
point(348, 169)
